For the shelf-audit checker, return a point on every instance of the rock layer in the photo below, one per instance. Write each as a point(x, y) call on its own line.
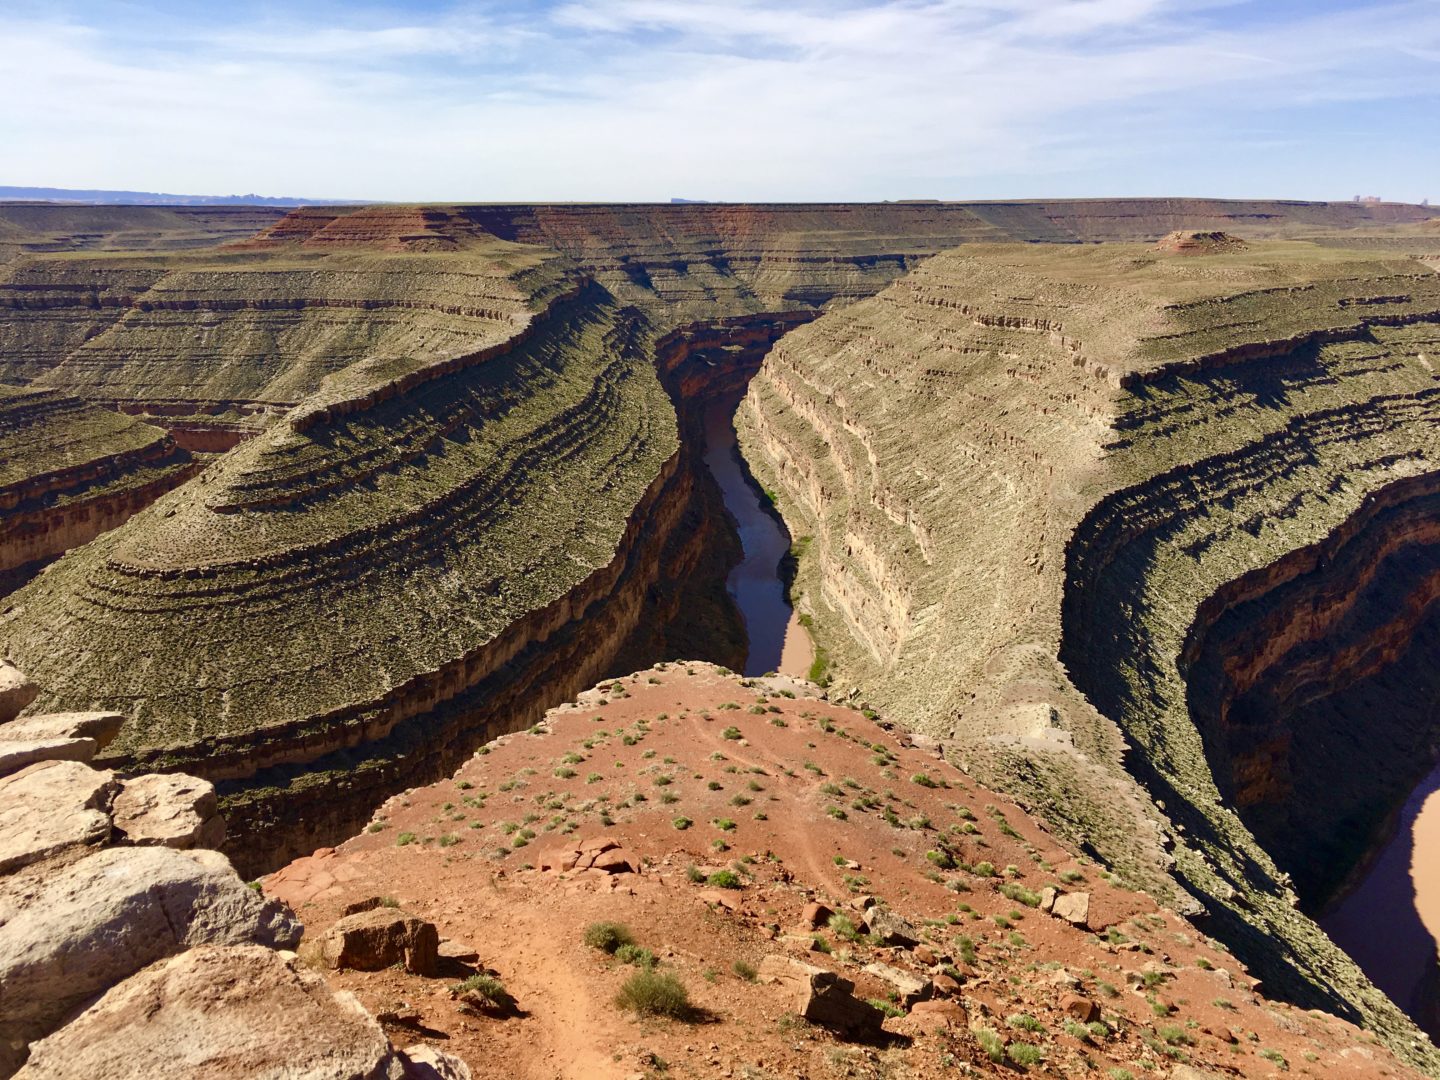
point(1033, 474)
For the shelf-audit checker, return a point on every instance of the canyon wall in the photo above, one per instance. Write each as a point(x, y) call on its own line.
point(461, 483)
point(70, 471)
point(1034, 481)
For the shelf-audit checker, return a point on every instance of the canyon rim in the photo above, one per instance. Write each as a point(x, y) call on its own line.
point(672, 572)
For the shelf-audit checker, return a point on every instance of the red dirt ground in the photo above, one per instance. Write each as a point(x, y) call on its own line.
point(808, 785)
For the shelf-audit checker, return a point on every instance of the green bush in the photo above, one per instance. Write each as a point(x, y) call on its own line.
point(843, 928)
point(746, 971)
point(924, 780)
point(1021, 895)
point(489, 988)
point(991, 1043)
point(724, 879)
point(655, 993)
point(1024, 1054)
point(634, 954)
point(607, 936)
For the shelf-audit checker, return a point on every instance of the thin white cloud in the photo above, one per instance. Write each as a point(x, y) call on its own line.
point(729, 98)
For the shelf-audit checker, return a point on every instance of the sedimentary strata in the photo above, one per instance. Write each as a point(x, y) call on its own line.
point(1178, 484)
point(461, 485)
point(70, 471)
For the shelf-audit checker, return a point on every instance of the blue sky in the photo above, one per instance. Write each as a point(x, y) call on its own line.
point(731, 99)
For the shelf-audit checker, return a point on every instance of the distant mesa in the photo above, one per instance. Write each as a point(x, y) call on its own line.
point(387, 228)
point(1188, 242)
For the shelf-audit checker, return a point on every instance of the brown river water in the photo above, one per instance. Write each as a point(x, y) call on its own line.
point(777, 640)
point(1390, 922)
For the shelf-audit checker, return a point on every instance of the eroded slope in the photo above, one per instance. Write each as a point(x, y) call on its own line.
point(1024, 471)
point(402, 537)
point(787, 800)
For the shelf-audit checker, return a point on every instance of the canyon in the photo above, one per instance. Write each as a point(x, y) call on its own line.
point(1144, 532)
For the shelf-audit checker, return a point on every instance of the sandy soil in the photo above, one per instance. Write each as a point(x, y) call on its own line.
point(693, 771)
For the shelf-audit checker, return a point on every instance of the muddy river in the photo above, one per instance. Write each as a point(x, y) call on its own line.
point(1390, 922)
point(777, 640)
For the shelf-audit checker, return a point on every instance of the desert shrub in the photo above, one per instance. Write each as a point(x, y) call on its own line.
point(991, 1043)
point(655, 993)
point(489, 988)
point(745, 971)
point(1021, 895)
point(1024, 1054)
point(724, 879)
point(635, 954)
point(843, 928)
point(607, 936)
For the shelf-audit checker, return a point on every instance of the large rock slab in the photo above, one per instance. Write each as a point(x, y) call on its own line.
point(169, 809)
point(219, 1013)
point(17, 754)
point(100, 726)
point(822, 997)
point(1073, 907)
point(891, 929)
point(51, 807)
point(910, 988)
point(379, 938)
point(16, 691)
point(67, 936)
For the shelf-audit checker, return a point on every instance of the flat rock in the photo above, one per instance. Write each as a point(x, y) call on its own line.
point(822, 997)
point(947, 1013)
point(51, 807)
point(169, 810)
point(946, 985)
point(911, 988)
point(616, 861)
point(426, 1063)
point(458, 951)
point(217, 1013)
point(891, 929)
point(1073, 907)
point(100, 726)
point(67, 936)
point(16, 691)
point(16, 754)
point(380, 938)
point(723, 898)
